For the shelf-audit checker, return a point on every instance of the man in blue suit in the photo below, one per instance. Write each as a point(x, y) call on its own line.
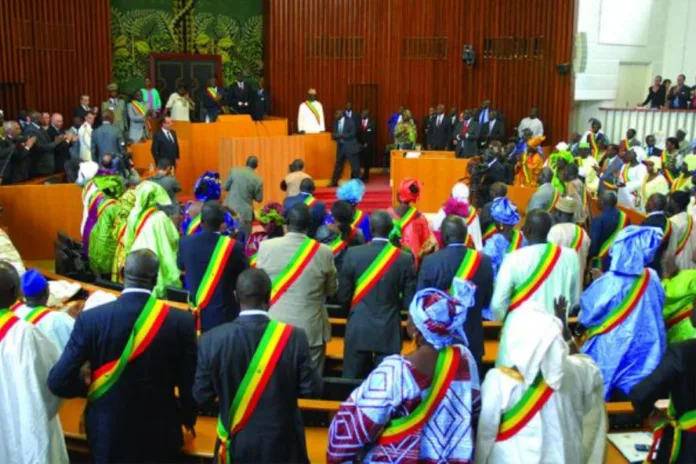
point(139, 418)
point(438, 270)
point(347, 147)
point(316, 208)
point(107, 139)
point(195, 252)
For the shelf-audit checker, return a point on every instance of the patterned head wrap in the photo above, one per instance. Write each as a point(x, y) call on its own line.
point(633, 248)
point(504, 212)
point(410, 190)
point(438, 316)
point(271, 216)
point(351, 191)
point(207, 187)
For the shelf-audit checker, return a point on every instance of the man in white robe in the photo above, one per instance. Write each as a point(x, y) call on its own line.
point(570, 427)
point(631, 177)
point(683, 243)
point(521, 265)
point(566, 233)
point(310, 117)
point(29, 425)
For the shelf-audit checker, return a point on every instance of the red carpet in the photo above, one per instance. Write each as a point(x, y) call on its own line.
point(378, 194)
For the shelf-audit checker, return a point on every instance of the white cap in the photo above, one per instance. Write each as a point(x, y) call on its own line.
point(562, 146)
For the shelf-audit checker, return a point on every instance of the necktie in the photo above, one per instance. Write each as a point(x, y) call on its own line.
point(650, 151)
point(169, 136)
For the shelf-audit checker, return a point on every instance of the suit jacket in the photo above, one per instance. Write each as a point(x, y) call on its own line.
point(353, 116)
point(603, 226)
point(496, 133)
point(374, 324)
point(477, 115)
point(438, 271)
point(683, 95)
point(496, 172)
point(15, 162)
point(235, 96)
point(275, 432)
point(211, 106)
point(367, 137)
point(654, 152)
point(302, 305)
point(439, 136)
point(467, 143)
point(195, 252)
point(107, 138)
point(347, 144)
point(658, 220)
point(163, 148)
point(261, 104)
point(318, 211)
point(244, 187)
point(139, 419)
point(80, 112)
point(118, 107)
point(42, 157)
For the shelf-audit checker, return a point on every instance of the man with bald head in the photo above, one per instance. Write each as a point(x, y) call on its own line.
point(30, 425)
point(62, 151)
point(373, 331)
point(441, 269)
point(274, 431)
point(539, 272)
point(546, 194)
point(656, 217)
point(133, 413)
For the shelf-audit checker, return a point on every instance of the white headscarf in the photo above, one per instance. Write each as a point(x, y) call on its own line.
point(460, 192)
point(640, 154)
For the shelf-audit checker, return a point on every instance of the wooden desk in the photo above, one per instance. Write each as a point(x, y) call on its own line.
point(320, 156)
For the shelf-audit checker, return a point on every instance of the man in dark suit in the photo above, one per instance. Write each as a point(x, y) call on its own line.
point(483, 114)
point(261, 103)
point(42, 157)
point(62, 151)
point(650, 148)
point(83, 108)
point(350, 113)
point(679, 100)
point(494, 172)
point(373, 330)
point(14, 154)
point(139, 418)
point(367, 137)
point(274, 431)
point(440, 130)
point(494, 129)
point(107, 139)
point(347, 147)
point(165, 143)
point(240, 95)
point(603, 226)
point(438, 270)
point(195, 253)
point(427, 125)
point(467, 136)
point(655, 207)
point(317, 209)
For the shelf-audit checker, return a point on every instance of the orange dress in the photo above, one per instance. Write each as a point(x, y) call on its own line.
point(417, 236)
point(528, 170)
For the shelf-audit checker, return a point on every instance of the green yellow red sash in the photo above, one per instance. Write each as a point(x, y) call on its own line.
point(546, 264)
point(490, 231)
point(624, 309)
point(194, 225)
point(682, 313)
point(407, 217)
point(665, 168)
point(686, 423)
point(94, 199)
point(36, 314)
point(554, 200)
point(253, 259)
point(468, 267)
point(211, 277)
point(594, 147)
point(310, 201)
point(680, 183)
point(667, 231)
point(359, 216)
point(146, 327)
point(623, 222)
point(609, 185)
point(139, 107)
point(687, 233)
point(374, 272)
point(445, 370)
point(515, 241)
point(103, 205)
point(213, 93)
point(7, 321)
point(514, 420)
point(578, 237)
point(254, 382)
point(297, 264)
point(16, 305)
point(142, 220)
point(314, 111)
point(623, 174)
point(470, 220)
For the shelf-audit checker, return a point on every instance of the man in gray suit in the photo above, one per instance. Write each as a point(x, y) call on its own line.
point(106, 138)
point(347, 147)
point(244, 187)
point(302, 305)
point(544, 196)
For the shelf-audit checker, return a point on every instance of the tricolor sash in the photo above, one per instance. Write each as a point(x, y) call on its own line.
point(213, 93)
point(254, 382)
point(609, 185)
point(684, 239)
point(554, 200)
point(139, 107)
point(578, 238)
point(445, 370)
point(665, 168)
point(686, 423)
point(680, 183)
point(469, 220)
point(625, 308)
point(16, 305)
point(374, 272)
point(283, 281)
point(407, 218)
point(623, 222)
point(194, 225)
point(515, 241)
point(142, 220)
point(94, 199)
point(490, 231)
point(594, 147)
point(7, 321)
point(105, 203)
point(253, 259)
point(468, 267)
point(36, 314)
point(146, 327)
point(359, 215)
point(533, 400)
point(310, 201)
point(667, 231)
point(682, 313)
point(546, 264)
point(623, 174)
point(314, 111)
point(211, 277)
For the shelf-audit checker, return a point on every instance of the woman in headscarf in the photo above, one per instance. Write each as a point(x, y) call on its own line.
point(410, 226)
point(561, 393)
point(530, 164)
point(268, 224)
point(438, 383)
point(353, 192)
point(149, 228)
point(405, 132)
point(207, 188)
point(458, 205)
point(104, 238)
point(506, 238)
point(654, 182)
point(340, 235)
point(98, 194)
point(625, 302)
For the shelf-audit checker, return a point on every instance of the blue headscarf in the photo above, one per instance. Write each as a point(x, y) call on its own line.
point(504, 211)
point(633, 248)
point(33, 283)
point(208, 187)
point(352, 191)
point(438, 316)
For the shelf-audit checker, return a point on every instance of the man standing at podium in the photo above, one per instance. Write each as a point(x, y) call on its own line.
point(347, 147)
point(310, 117)
point(240, 95)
